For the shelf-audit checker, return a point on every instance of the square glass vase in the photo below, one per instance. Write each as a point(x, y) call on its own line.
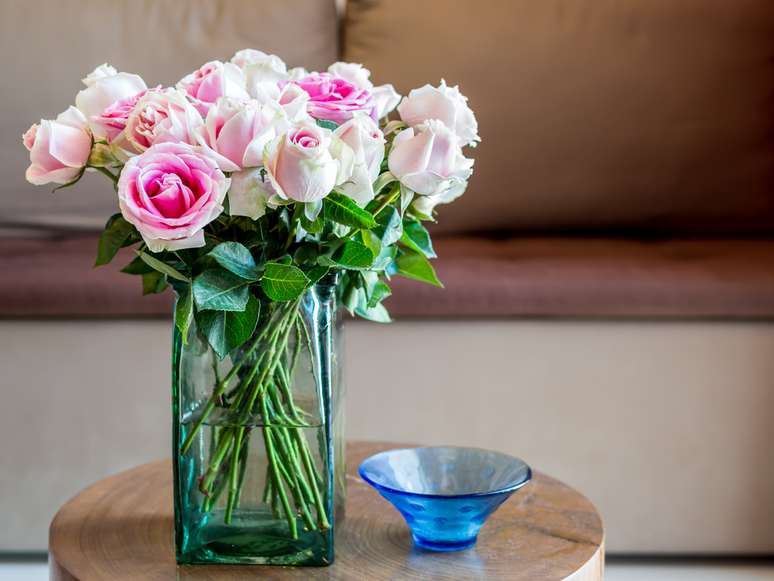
point(259, 475)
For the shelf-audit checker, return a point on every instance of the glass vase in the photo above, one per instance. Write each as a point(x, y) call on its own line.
point(259, 470)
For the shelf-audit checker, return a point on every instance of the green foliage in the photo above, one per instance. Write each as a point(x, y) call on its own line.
point(235, 258)
point(219, 289)
point(162, 267)
point(117, 234)
point(327, 124)
point(343, 210)
point(184, 309)
point(280, 256)
point(414, 265)
point(153, 282)
point(227, 330)
point(416, 237)
point(283, 282)
point(350, 255)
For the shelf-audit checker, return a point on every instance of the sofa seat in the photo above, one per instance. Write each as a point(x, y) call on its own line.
point(484, 277)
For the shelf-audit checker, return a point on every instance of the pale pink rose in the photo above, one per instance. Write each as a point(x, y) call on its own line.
point(213, 81)
point(366, 140)
point(335, 99)
point(428, 159)
point(386, 98)
point(444, 103)
point(104, 88)
point(235, 132)
point(170, 193)
point(58, 149)
point(300, 164)
point(163, 116)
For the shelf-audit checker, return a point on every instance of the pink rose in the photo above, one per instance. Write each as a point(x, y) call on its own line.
point(300, 164)
point(105, 87)
point(170, 193)
point(335, 99)
point(58, 149)
point(112, 121)
point(213, 81)
point(161, 117)
point(235, 132)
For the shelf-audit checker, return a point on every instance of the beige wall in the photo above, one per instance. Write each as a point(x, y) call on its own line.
point(666, 426)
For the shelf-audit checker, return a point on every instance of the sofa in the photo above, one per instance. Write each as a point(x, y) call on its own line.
point(608, 310)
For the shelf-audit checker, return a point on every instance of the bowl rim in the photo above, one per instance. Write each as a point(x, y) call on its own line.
point(511, 488)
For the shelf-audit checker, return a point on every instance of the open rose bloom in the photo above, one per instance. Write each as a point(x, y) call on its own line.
point(265, 196)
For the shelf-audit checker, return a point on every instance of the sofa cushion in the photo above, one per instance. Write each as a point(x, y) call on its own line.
point(560, 277)
point(47, 47)
point(650, 116)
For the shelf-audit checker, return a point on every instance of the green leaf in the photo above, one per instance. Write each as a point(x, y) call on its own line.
point(157, 264)
point(117, 234)
point(283, 282)
point(380, 291)
point(137, 266)
point(312, 226)
point(389, 227)
point(327, 124)
point(377, 314)
point(351, 254)
point(315, 273)
point(414, 265)
point(385, 258)
point(153, 282)
point(416, 237)
point(235, 258)
point(343, 210)
point(227, 330)
point(218, 289)
point(382, 181)
point(183, 309)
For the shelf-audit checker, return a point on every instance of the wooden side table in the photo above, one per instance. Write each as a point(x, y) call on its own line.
point(121, 529)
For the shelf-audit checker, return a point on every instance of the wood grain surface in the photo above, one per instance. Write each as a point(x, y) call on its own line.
point(121, 529)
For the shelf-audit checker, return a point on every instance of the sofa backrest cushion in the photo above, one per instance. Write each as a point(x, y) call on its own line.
point(47, 47)
point(645, 115)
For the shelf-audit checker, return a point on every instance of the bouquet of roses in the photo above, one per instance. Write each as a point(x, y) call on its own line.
point(247, 183)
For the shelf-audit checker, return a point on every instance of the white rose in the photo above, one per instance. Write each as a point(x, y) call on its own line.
point(102, 71)
point(366, 141)
point(291, 98)
point(250, 194)
point(428, 159)
point(355, 73)
point(386, 99)
point(385, 96)
point(444, 103)
point(260, 69)
point(104, 87)
point(300, 164)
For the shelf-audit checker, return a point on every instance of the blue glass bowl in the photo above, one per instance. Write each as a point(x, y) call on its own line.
point(445, 493)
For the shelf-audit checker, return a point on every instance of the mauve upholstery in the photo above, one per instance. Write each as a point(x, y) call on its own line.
point(649, 116)
point(531, 276)
point(47, 46)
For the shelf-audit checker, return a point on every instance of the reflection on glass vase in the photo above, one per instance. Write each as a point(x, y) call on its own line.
point(258, 439)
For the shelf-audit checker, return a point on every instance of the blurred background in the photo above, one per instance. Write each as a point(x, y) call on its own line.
point(609, 305)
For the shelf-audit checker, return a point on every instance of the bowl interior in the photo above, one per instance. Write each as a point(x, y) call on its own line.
point(445, 471)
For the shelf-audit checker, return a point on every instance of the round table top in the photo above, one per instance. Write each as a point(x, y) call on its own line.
point(121, 529)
